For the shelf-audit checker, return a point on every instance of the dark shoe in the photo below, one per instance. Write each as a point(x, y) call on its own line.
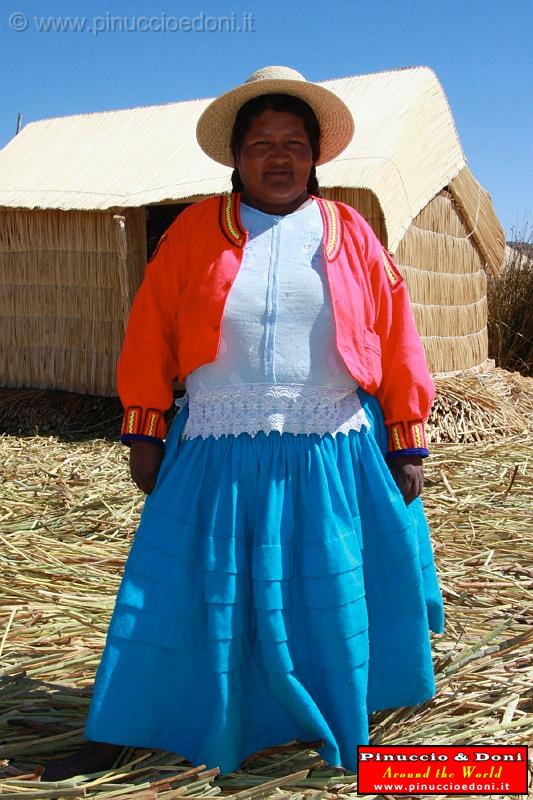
point(92, 757)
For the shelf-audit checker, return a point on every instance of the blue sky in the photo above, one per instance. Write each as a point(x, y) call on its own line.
point(481, 50)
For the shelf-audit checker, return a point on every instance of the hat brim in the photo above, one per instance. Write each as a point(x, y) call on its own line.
point(215, 125)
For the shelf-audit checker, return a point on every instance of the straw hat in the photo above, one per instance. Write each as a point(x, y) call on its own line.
point(215, 125)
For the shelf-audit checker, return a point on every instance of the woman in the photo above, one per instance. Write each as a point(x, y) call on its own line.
point(281, 584)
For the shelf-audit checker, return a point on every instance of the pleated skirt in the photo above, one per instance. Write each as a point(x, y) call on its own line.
point(277, 588)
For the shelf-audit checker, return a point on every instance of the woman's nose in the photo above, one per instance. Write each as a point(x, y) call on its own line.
point(279, 151)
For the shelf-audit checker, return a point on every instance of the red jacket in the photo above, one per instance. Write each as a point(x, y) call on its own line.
point(175, 320)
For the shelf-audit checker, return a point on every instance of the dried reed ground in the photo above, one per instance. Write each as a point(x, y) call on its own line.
point(68, 512)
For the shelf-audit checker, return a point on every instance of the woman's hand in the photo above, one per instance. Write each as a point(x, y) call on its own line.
point(408, 473)
point(145, 460)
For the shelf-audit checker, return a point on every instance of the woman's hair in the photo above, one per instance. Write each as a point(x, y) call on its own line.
point(276, 102)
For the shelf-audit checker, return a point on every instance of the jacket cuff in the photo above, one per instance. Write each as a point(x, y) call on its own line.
point(128, 438)
point(145, 423)
point(408, 439)
point(423, 452)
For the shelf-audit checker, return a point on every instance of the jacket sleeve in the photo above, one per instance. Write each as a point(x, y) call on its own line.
point(407, 391)
point(148, 361)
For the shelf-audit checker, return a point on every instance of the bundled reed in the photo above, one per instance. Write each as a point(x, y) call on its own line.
point(481, 405)
point(62, 300)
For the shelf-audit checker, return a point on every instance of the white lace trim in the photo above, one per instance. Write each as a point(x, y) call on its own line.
point(250, 408)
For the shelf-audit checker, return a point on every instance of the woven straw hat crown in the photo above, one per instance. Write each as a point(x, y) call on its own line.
point(215, 125)
point(281, 73)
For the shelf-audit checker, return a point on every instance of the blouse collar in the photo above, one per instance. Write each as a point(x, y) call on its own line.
point(236, 233)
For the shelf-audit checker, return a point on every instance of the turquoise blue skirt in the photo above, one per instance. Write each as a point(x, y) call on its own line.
point(277, 588)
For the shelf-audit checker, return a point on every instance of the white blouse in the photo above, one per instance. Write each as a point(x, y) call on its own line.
point(277, 368)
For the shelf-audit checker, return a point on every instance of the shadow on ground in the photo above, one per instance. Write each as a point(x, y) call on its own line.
point(67, 415)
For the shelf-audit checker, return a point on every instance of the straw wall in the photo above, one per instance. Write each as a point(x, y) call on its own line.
point(66, 278)
point(365, 202)
point(448, 286)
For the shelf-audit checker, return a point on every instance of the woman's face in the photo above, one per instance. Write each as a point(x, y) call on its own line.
point(274, 162)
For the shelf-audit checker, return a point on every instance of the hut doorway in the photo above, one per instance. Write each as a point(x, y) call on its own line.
point(158, 218)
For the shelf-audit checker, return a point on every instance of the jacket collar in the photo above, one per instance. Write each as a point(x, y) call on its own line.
point(235, 233)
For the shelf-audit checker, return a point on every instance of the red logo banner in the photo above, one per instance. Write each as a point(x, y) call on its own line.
point(442, 769)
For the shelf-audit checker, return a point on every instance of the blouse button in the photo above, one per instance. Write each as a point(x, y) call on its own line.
point(227, 285)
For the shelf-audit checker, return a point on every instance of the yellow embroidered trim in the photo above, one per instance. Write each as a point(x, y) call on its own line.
point(397, 440)
point(417, 435)
point(229, 222)
point(333, 232)
point(393, 278)
point(151, 426)
point(407, 435)
point(131, 421)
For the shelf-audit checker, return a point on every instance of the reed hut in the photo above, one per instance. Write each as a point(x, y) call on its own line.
point(83, 200)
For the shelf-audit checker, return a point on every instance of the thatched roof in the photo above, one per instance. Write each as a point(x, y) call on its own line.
point(478, 212)
point(405, 150)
